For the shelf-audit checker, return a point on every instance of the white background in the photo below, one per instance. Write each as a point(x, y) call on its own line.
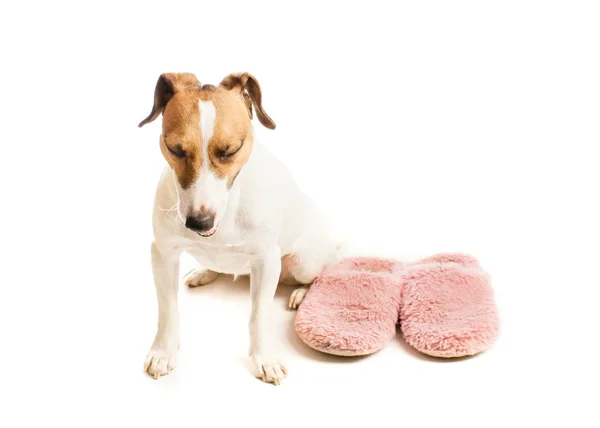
point(419, 127)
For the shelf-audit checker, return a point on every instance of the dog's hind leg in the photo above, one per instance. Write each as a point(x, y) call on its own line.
point(302, 269)
point(289, 269)
point(197, 277)
point(297, 296)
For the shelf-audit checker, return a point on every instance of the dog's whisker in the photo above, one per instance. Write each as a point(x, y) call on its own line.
point(168, 210)
point(180, 218)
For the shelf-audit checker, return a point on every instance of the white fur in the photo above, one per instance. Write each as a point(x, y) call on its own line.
point(208, 118)
point(208, 192)
point(265, 217)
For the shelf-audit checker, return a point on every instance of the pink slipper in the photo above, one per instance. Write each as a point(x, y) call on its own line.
point(444, 305)
point(351, 308)
point(448, 307)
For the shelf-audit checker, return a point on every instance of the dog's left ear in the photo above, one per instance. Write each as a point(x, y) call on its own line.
point(166, 86)
point(248, 86)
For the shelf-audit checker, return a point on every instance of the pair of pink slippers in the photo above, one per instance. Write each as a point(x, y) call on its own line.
point(444, 306)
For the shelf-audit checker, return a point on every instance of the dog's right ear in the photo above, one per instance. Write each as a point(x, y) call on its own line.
point(166, 86)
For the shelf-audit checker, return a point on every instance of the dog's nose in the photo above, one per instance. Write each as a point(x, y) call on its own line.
point(201, 222)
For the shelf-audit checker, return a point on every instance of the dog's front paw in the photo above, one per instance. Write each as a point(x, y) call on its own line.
point(197, 277)
point(160, 362)
point(268, 369)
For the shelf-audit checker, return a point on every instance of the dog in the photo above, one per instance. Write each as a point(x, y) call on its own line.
point(231, 204)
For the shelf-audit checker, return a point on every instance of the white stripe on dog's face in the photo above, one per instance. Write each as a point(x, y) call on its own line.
point(210, 191)
point(208, 117)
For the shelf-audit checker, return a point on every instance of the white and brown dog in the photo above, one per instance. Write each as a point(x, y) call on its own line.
point(228, 202)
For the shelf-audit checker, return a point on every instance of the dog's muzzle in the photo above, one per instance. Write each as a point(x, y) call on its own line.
point(203, 223)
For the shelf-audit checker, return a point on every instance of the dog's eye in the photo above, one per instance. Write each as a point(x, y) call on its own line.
point(225, 153)
point(176, 151)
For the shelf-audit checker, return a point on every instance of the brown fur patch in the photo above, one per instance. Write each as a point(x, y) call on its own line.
point(181, 126)
point(231, 132)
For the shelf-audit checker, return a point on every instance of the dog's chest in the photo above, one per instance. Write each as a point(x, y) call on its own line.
point(230, 258)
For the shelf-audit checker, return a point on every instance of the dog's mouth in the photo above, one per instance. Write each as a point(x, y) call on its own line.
point(210, 232)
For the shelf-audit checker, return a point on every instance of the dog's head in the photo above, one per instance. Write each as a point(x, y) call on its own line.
point(206, 139)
